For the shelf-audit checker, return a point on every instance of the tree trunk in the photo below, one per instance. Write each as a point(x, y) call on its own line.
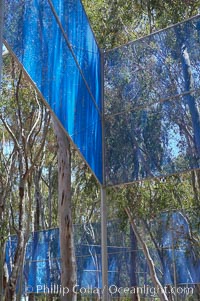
point(67, 251)
point(158, 286)
point(195, 187)
point(3, 279)
point(50, 196)
point(10, 291)
point(133, 278)
point(189, 85)
point(37, 174)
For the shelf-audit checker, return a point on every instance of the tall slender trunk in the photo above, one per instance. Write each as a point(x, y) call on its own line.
point(133, 278)
point(3, 279)
point(10, 291)
point(67, 251)
point(189, 85)
point(158, 286)
point(50, 196)
point(37, 174)
point(195, 186)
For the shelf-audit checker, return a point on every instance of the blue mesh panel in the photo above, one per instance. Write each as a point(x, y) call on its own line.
point(172, 235)
point(175, 232)
point(153, 142)
point(72, 91)
point(77, 27)
point(10, 252)
point(152, 105)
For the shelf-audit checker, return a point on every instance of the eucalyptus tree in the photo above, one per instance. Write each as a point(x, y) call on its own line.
point(67, 250)
point(26, 122)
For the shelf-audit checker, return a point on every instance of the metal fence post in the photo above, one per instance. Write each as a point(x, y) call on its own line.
point(104, 250)
point(104, 245)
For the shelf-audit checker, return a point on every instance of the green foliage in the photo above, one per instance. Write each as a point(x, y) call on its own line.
point(117, 22)
point(112, 21)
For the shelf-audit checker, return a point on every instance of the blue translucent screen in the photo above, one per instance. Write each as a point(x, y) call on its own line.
point(152, 98)
point(152, 122)
point(171, 232)
point(33, 34)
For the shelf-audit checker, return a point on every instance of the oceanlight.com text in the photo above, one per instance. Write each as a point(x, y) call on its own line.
point(112, 290)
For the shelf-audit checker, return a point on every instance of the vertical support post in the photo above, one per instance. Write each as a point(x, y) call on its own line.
point(104, 251)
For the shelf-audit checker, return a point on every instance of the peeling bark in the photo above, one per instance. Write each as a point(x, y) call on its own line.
point(68, 260)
